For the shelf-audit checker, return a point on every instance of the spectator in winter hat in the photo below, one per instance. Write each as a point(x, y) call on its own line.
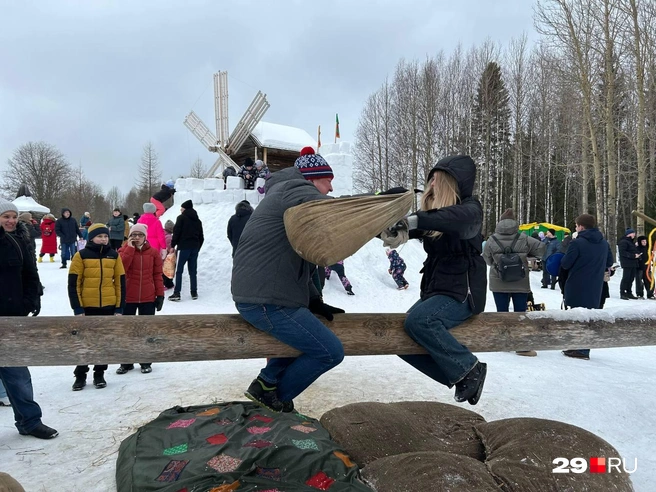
point(156, 237)
point(19, 296)
point(552, 246)
point(237, 222)
point(248, 173)
point(314, 168)
point(284, 285)
point(144, 290)
point(67, 231)
point(116, 227)
point(261, 169)
point(188, 238)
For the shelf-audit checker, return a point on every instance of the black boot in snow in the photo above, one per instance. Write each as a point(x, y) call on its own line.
point(99, 380)
point(264, 396)
point(470, 387)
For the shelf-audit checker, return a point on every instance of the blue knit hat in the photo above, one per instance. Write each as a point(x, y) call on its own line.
point(312, 165)
point(629, 231)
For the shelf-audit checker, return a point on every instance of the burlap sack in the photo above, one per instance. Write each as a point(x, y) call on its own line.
point(520, 454)
point(370, 430)
point(429, 471)
point(327, 231)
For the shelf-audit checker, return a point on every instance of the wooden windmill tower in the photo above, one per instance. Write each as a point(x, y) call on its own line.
point(224, 143)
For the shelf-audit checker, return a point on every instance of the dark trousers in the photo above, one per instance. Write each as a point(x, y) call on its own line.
point(115, 243)
point(189, 256)
point(143, 308)
point(628, 274)
point(18, 384)
point(91, 311)
point(548, 280)
point(502, 301)
point(643, 285)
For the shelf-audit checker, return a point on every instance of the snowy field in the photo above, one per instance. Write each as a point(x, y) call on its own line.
point(611, 395)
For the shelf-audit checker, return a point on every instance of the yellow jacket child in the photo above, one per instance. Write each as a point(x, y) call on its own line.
point(96, 278)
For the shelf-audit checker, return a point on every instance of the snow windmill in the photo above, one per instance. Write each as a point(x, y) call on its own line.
point(223, 143)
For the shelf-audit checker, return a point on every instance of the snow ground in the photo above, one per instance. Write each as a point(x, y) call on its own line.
point(611, 394)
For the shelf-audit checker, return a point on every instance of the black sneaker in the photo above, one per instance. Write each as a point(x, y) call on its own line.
point(287, 406)
point(124, 368)
point(471, 386)
point(42, 431)
point(145, 368)
point(630, 296)
point(80, 382)
point(99, 380)
point(576, 354)
point(174, 297)
point(194, 295)
point(624, 296)
point(62, 267)
point(264, 396)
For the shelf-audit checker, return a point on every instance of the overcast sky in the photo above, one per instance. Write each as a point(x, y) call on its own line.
point(100, 78)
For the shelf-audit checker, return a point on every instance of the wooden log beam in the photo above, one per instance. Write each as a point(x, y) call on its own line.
point(71, 340)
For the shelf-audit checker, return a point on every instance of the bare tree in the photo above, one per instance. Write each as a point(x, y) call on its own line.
point(114, 197)
point(149, 177)
point(43, 168)
point(198, 169)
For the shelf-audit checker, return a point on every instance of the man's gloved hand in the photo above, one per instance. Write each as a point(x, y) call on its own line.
point(317, 306)
point(159, 302)
point(37, 308)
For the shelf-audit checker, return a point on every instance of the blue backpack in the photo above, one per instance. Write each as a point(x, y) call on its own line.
point(553, 263)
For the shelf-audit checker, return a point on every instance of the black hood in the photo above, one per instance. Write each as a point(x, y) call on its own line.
point(190, 212)
point(640, 238)
point(462, 168)
point(243, 208)
point(69, 211)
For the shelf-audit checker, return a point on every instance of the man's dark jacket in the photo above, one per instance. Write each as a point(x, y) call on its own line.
point(188, 231)
point(587, 258)
point(67, 229)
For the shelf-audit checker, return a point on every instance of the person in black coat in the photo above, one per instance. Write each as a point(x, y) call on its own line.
point(188, 238)
point(67, 231)
point(629, 258)
point(643, 285)
point(19, 296)
point(237, 222)
point(166, 191)
point(587, 258)
point(454, 282)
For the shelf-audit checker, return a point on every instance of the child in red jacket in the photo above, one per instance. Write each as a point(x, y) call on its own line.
point(144, 289)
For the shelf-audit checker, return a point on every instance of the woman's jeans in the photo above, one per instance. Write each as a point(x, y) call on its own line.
point(428, 323)
point(320, 349)
point(519, 300)
point(18, 383)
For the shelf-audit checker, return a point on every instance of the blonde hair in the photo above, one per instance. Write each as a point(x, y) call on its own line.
point(441, 191)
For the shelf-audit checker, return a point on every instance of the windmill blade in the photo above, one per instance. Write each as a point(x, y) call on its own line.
point(221, 107)
point(221, 163)
point(251, 117)
point(200, 131)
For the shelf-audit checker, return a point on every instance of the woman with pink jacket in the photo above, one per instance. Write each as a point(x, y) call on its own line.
point(156, 237)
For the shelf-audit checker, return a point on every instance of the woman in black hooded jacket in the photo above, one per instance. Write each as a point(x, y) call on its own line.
point(454, 282)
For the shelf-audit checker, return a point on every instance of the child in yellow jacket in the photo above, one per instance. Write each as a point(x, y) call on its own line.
point(96, 287)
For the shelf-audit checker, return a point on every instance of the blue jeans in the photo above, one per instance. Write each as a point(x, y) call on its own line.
point(189, 256)
point(428, 323)
point(298, 328)
point(502, 300)
point(3, 391)
point(18, 383)
point(68, 251)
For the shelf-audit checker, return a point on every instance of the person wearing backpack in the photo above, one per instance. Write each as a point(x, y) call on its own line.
point(506, 252)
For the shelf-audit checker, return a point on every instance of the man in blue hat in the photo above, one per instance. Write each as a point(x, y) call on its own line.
point(629, 259)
